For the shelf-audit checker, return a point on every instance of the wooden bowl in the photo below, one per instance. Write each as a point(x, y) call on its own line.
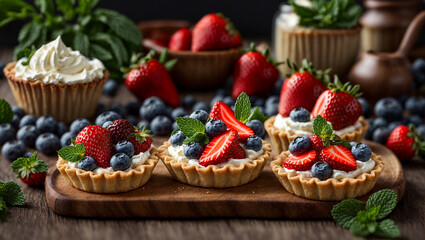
point(199, 70)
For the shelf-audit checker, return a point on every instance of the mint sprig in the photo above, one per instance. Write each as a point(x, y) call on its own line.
point(72, 153)
point(26, 53)
point(363, 220)
point(24, 166)
point(243, 111)
point(10, 194)
point(324, 130)
point(6, 113)
point(193, 129)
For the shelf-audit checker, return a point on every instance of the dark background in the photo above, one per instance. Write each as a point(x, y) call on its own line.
point(253, 18)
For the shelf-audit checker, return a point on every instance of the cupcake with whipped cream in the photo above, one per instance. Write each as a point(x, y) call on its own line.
point(57, 81)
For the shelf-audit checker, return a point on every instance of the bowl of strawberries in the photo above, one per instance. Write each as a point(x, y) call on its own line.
point(205, 55)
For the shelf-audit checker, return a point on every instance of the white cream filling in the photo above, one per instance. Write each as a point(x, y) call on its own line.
point(288, 18)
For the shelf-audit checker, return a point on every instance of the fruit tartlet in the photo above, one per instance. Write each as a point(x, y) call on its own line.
point(218, 153)
point(54, 80)
point(326, 167)
point(338, 105)
point(115, 159)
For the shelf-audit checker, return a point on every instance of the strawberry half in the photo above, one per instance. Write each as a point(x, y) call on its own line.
point(223, 112)
point(302, 162)
point(31, 170)
point(219, 149)
point(339, 157)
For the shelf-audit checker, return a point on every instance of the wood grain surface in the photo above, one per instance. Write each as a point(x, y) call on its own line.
point(37, 221)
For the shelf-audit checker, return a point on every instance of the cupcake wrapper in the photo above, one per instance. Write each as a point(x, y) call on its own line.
point(281, 139)
point(109, 182)
point(213, 176)
point(330, 189)
point(64, 102)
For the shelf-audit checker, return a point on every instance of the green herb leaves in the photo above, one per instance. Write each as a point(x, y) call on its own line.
point(10, 193)
point(6, 113)
point(243, 111)
point(72, 153)
point(362, 220)
point(323, 129)
point(26, 53)
point(193, 129)
point(334, 14)
point(24, 166)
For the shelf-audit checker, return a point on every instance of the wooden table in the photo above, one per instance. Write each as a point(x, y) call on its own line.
point(36, 221)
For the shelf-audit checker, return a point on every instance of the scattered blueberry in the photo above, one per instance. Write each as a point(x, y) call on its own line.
point(62, 128)
point(218, 98)
point(321, 170)
point(118, 108)
point(257, 126)
point(272, 105)
point(66, 138)
point(107, 116)
point(415, 120)
point(143, 124)
point(18, 111)
point(379, 122)
point(106, 124)
point(380, 135)
point(132, 107)
point(421, 130)
point(389, 109)
point(125, 147)
point(87, 164)
point(27, 120)
point(201, 106)
point(161, 126)
point(110, 88)
point(120, 162)
point(300, 145)
point(215, 128)
point(47, 143)
point(418, 71)
point(177, 138)
point(174, 126)
point(366, 109)
point(46, 124)
point(151, 108)
point(299, 115)
point(27, 154)
point(361, 152)
point(259, 102)
point(415, 105)
point(402, 99)
point(393, 125)
point(100, 108)
point(28, 134)
point(220, 92)
point(254, 143)
point(7, 133)
point(229, 101)
point(15, 121)
point(188, 101)
point(278, 87)
point(200, 115)
point(132, 119)
point(193, 150)
point(12, 150)
point(178, 112)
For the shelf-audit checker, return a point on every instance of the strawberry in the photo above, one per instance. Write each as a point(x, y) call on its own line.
point(214, 32)
point(120, 129)
point(31, 170)
point(302, 162)
point(180, 40)
point(405, 142)
point(255, 73)
point(141, 140)
point(149, 77)
point(302, 88)
point(223, 112)
point(339, 157)
point(317, 143)
point(238, 152)
point(220, 148)
point(98, 144)
point(339, 105)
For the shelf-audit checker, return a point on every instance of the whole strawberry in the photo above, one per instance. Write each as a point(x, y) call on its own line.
point(255, 73)
point(98, 144)
point(141, 140)
point(339, 105)
point(149, 77)
point(302, 88)
point(214, 32)
point(120, 129)
point(180, 40)
point(32, 171)
point(405, 142)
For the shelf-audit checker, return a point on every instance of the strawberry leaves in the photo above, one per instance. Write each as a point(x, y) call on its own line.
point(323, 130)
point(72, 153)
point(243, 111)
point(338, 87)
point(24, 166)
point(193, 129)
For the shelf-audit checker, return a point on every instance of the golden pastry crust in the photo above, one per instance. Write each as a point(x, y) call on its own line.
point(109, 182)
point(281, 138)
point(331, 189)
point(214, 176)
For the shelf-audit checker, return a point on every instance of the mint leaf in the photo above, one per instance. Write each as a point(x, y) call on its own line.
point(386, 199)
point(198, 137)
point(116, 45)
point(46, 6)
point(26, 53)
point(6, 113)
point(3, 209)
point(256, 114)
point(368, 216)
point(24, 166)
point(190, 126)
point(319, 126)
point(82, 43)
point(242, 108)
point(387, 229)
point(11, 193)
point(72, 153)
point(100, 52)
point(359, 229)
point(345, 212)
point(66, 7)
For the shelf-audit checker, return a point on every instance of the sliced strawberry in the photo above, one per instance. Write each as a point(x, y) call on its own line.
point(238, 152)
point(339, 158)
point(317, 143)
point(300, 163)
point(225, 113)
point(219, 148)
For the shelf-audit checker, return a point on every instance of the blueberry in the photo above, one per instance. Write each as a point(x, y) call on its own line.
point(106, 124)
point(46, 124)
point(257, 126)
point(12, 150)
point(27, 120)
point(278, 87)
point(132, 107)
point(125, 147)
point(161, 125)
point(215, 128)
point(271, 105)
point(118, 108)
point(47, 143)
point(402, 99)
point(201, 106)
point(7, 133)
point(151, 108)
point(120, 162)
point(254, 143)
point(143, 124)
point(200, 115)
point(300, 145)
point(178, 112)
point(229, 101)
point(193, 150)
point(393, 125)
point(380, 135)
point(188, 101)
point(361, 152)
point(2, 65)
point(107, 116)
point(321, 170)
point(18, 111)
point(87, 164)
point(259, 102)
point(27, 154)
point(110, 88)
point(174, 126)
point(62, 128)
point(421, 130)
point(15, 121)
point(132, 119)
point(218, 98)
point(28, 134)
point(416, 105)
point(389, 109)
point(379, 122)
point(418, 71)
point(299, 115)
point(415, 120)
point(365, 107)
point(151, 100)
point(177, 138)
point(66, 138)
point(221, 92)
point(100, 109)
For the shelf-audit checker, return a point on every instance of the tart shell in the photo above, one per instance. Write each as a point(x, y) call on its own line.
point(331, 189)
point(281, 139)
point(214, 176)
point(109, 182)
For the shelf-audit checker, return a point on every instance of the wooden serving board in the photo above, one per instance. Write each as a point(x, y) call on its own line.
point(164, 197)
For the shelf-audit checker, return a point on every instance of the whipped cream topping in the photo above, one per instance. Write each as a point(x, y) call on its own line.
point(362, 167)
point(54, 63)
point(177, 153)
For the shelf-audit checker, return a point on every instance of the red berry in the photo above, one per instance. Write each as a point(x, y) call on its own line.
point(180, 40)
point(120, 129)
point(302, 162)
point(34, 179)
point(339, 158)
point(403, 146)
point(220, 148)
